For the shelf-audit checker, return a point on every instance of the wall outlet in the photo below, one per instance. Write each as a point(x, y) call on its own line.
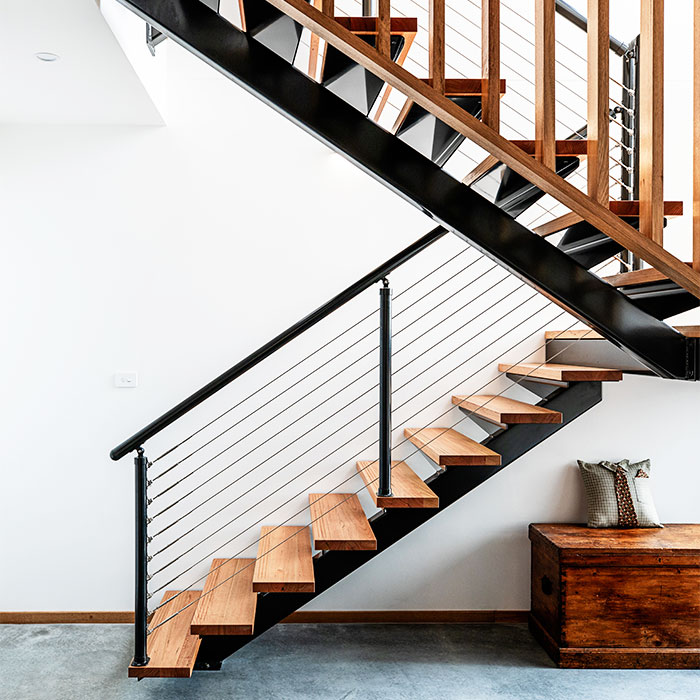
point(126, 380)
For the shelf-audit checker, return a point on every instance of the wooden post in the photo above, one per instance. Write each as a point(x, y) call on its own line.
point(545, 145)
point(328, 7)
point(696, 139)
point(598, 100)
point(436, 44)
point(314, 42)
point(651, 118)
point(384, 28)
point(491, 62)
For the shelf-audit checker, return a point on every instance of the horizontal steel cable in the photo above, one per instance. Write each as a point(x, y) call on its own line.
point(468, 414)
point(349, 441)
point(296, 420)
point(296, 383)
point(405, 403)
point(314, 352)
point(249, 471)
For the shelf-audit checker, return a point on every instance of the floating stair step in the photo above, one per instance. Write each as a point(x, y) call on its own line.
point(564, 147)
point(499, 409)
point(448, 448)
point(349, 80)
point(172, 648)
point(339, 522)
point(408, 489)
point(588, 334)
point(625, 209)
point(562, 373)
point(228, 602)
point(653, 292)
point(513, 193)
point(284, 563)
point(637, 277)
point(271, 27)
point(589, 246)
point(432, 137)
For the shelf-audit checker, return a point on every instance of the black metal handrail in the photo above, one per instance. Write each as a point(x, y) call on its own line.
point(576, 18)
point(169, 417)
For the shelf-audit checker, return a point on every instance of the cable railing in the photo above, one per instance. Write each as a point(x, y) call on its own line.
point(211, 488)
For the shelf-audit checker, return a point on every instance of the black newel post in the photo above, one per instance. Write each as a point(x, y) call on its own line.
point(384, 390)
point(141, 610)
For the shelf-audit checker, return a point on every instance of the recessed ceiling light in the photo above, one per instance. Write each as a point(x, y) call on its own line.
point(47, 57)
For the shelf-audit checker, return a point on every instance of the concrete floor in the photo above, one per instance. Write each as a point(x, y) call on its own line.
point(473, 662)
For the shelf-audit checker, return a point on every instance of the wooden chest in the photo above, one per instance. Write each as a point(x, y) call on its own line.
point(617, 598)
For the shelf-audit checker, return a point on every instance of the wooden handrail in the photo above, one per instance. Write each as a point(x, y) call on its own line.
point(545, 81)
point(491, 62)
point(651, 120)
point(598, 133)
point(485, 137)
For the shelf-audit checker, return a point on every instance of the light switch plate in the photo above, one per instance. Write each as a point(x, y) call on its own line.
point(126, 380)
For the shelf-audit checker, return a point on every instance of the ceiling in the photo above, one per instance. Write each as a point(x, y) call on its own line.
point(91, 83)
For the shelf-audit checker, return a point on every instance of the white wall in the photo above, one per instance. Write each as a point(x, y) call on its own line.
point(175, 251)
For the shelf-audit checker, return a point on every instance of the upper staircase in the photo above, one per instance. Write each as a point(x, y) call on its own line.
point(338, 77)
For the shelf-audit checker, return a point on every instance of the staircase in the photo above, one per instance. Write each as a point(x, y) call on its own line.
point(227, 613)
point(339, 99)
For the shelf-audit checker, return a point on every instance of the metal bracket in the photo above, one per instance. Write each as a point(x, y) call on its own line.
point(153, 38)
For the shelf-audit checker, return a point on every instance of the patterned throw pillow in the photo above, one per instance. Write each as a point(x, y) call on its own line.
point(619, 494)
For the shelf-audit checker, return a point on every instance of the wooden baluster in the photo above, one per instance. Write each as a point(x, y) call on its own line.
point(328, 7)
point(598, 100)
point(313, 46)
point(436, 44)
point(545, 144)
point(384, 28)
point(491, 62)
point(651, 119)
point(696, 139)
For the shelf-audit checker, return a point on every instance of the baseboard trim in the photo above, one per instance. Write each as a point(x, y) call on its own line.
point(405, 617)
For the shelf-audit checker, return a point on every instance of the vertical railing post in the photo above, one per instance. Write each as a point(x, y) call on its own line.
point(545, 45)
point(651, 109)
point(384, 28)
point(384, 488)
point(140, 570)
point(598, 133)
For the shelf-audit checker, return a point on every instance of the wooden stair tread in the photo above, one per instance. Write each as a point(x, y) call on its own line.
point(504, 410)
point(636, 277)
point(466, 87)
point(230, 606)
point(447, 447)
point(368, 25)
point(172, 648)
point(408, 489)
point(622, 208)
point(339, 522)
point(587, 334)
point(564, 147)
point(284, 563)
point(562, 373)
